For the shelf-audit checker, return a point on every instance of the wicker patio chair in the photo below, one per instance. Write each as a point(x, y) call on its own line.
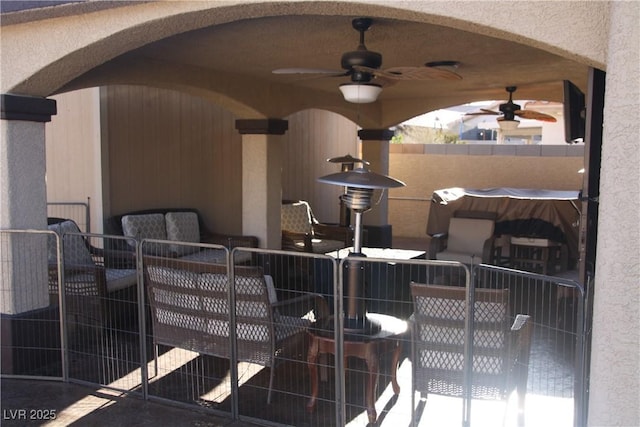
point(92, 279)
point(301, 231)
point(500, 348)
point(190, 310)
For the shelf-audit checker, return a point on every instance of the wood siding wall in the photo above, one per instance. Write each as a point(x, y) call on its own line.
point(170, 149)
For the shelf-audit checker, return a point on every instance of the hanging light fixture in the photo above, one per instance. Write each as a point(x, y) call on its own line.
point(360, 184)
point(360, 93)
point(506, 125)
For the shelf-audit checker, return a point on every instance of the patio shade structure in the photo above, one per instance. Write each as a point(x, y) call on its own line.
point(551, 214)
point(360, 184)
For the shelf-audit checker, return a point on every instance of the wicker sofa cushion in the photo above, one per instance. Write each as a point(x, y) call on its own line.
point(183, 227)
point(74, 247)
point(148, 226)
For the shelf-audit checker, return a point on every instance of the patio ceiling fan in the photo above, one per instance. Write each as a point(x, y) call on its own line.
point(367, 78)
point(510, 109)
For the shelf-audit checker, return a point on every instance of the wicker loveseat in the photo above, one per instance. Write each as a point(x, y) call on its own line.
point(190, 309)
point(179, 225)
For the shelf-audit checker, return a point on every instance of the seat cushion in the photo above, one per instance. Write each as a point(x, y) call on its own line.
point(183, 227)
point(467, 235)
point(120, 278)
point(464, 258)
point(147, 226)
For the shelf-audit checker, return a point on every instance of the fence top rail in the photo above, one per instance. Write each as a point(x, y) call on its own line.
point(175, 242)
point(281, 252)
point(560, 281)
point(25, 230)
point(85, 204)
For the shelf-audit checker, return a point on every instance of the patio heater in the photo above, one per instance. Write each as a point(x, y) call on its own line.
point(347, 162)
point(360, 184)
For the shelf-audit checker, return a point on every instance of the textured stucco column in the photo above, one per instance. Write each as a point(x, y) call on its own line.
point(262, 179)
point(23, 202)
point(615, 346)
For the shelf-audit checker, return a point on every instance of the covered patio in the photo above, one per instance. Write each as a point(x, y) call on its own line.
point(226, 54)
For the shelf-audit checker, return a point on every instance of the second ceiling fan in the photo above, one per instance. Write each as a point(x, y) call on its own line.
point(363, 66)
point(509, 110)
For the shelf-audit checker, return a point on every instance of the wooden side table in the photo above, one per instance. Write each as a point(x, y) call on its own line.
point(369, 349)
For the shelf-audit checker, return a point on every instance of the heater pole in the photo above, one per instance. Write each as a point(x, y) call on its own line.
point(357, 235)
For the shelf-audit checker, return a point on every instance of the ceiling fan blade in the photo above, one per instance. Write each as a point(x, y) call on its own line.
point(419, 73)
point(306, 71)
point(484, 112)
point(535, 115)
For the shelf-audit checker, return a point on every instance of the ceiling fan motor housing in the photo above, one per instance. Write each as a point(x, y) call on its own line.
point(361, 58)
point(509, 108)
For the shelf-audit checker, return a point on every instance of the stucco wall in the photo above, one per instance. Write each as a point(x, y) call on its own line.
point(615, 357)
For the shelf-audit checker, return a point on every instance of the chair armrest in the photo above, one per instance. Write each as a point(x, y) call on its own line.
point(92, 276)
point(113, 258)
point(289, 238)
point(487, 250)
point(303, 304)
point(521, 332)
point(521, 322)
point(438, 243)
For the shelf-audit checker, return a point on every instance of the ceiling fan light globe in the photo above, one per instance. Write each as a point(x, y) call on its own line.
point(507, 124)
point(360, 93)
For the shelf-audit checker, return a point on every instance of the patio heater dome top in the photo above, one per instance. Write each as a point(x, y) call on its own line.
point(347, 159)
point(361, 178)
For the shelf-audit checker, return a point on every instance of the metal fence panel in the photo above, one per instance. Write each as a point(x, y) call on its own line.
point(334, 373)
point(31, 344)
point(100, 307)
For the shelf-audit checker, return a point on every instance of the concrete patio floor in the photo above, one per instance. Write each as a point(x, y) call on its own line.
point(52, 403)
